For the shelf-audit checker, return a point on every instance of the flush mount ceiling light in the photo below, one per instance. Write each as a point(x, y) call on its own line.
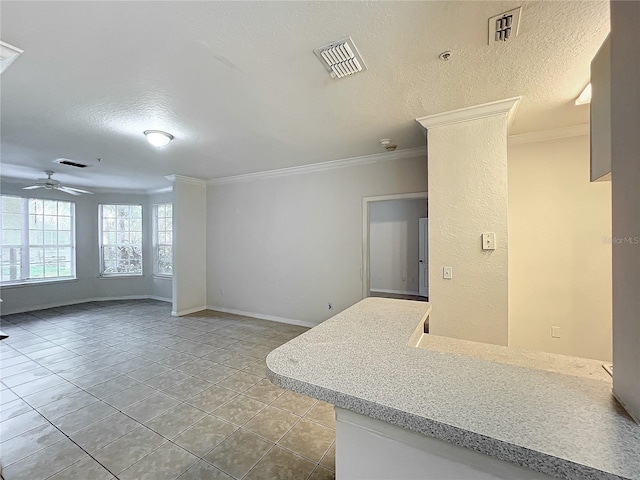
point(585, 97)
point(341, 58)
point(158, 138)
point(8, 53)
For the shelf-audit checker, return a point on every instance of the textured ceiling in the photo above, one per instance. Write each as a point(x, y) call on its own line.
point(239, 87)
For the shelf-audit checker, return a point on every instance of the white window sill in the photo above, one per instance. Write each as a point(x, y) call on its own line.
point(34, 283)
point(107, 277)
point(162, 277)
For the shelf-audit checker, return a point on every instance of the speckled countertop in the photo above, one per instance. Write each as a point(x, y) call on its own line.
point(496, 401)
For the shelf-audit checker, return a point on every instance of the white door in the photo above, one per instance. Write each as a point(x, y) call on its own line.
point(424, 257)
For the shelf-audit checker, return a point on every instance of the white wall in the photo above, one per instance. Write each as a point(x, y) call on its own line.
point(559, 257)
point(89, 284)
point(468, 196)
point(394, 245)
point(286, 246)
point(625, 181)
point(189, 245)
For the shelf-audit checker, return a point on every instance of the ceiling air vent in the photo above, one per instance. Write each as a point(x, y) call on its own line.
point(341, 59)
point(505, 26)
point(70, 163)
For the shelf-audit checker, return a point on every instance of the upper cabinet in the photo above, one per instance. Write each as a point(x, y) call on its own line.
point(601, 114)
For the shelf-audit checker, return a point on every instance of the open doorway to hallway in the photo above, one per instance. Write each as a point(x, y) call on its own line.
point(396, 247)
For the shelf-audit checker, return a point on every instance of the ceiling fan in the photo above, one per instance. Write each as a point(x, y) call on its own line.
point(51, 184)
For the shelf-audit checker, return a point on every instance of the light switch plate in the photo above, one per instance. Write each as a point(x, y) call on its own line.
point(489, 241)
point(447, 273)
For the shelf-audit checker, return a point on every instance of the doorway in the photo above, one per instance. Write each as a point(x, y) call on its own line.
point(395, 246)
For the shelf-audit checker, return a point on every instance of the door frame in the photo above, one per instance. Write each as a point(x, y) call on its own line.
point(366, 204)
point(423, 249)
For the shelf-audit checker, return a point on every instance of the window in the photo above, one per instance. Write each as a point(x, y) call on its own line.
point(38, 240)
point(163, 239)
point(120, 240)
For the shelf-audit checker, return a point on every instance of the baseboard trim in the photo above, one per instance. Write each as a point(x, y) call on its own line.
point(187, 311)
point(399, 292)
point(160, 299)
point(35, 308)
point(262, 316)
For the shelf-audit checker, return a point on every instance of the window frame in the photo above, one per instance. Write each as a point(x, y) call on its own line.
point(26, 246)
point(101, 265)
point(157, 244)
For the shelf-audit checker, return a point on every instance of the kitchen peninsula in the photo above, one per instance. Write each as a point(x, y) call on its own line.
point(414, 405)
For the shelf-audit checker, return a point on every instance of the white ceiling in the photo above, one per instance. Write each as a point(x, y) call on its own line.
point(239, 87)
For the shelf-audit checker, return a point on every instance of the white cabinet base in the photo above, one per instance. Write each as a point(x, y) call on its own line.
point(369, 449)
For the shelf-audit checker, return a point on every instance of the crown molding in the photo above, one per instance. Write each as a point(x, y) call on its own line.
point(322, 166)
point(160, 190)
point(554, 134)
point(507, 106)
point(183, 179)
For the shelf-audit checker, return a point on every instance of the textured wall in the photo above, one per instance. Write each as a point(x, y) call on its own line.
point(625, 172)
point(468, 196)
point(559, 257)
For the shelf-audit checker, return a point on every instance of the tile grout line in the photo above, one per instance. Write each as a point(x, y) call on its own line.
point(180, 402)
point(274, 444)
point(90, 425)
point(167, 440)
point(69, 438)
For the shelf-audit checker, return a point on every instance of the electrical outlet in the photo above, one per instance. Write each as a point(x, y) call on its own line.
point(447, 273)
point(330, 306)
point(222, 292)
point(555, 332)
point(404, 279)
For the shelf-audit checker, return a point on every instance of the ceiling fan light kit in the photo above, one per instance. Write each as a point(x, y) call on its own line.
point(51, 184)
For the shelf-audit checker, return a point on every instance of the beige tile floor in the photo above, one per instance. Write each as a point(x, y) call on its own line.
point(123, 390)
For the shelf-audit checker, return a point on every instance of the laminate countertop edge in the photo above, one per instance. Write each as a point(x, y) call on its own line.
point(353, 361)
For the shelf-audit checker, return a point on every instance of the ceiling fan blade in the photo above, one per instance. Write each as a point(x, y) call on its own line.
point(68, 190)
point(79, 190)
point(32, 187)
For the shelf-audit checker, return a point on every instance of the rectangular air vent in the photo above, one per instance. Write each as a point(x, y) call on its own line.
point(341, 59)
point(70, 163)
point(505, 26)
point(8, 53)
